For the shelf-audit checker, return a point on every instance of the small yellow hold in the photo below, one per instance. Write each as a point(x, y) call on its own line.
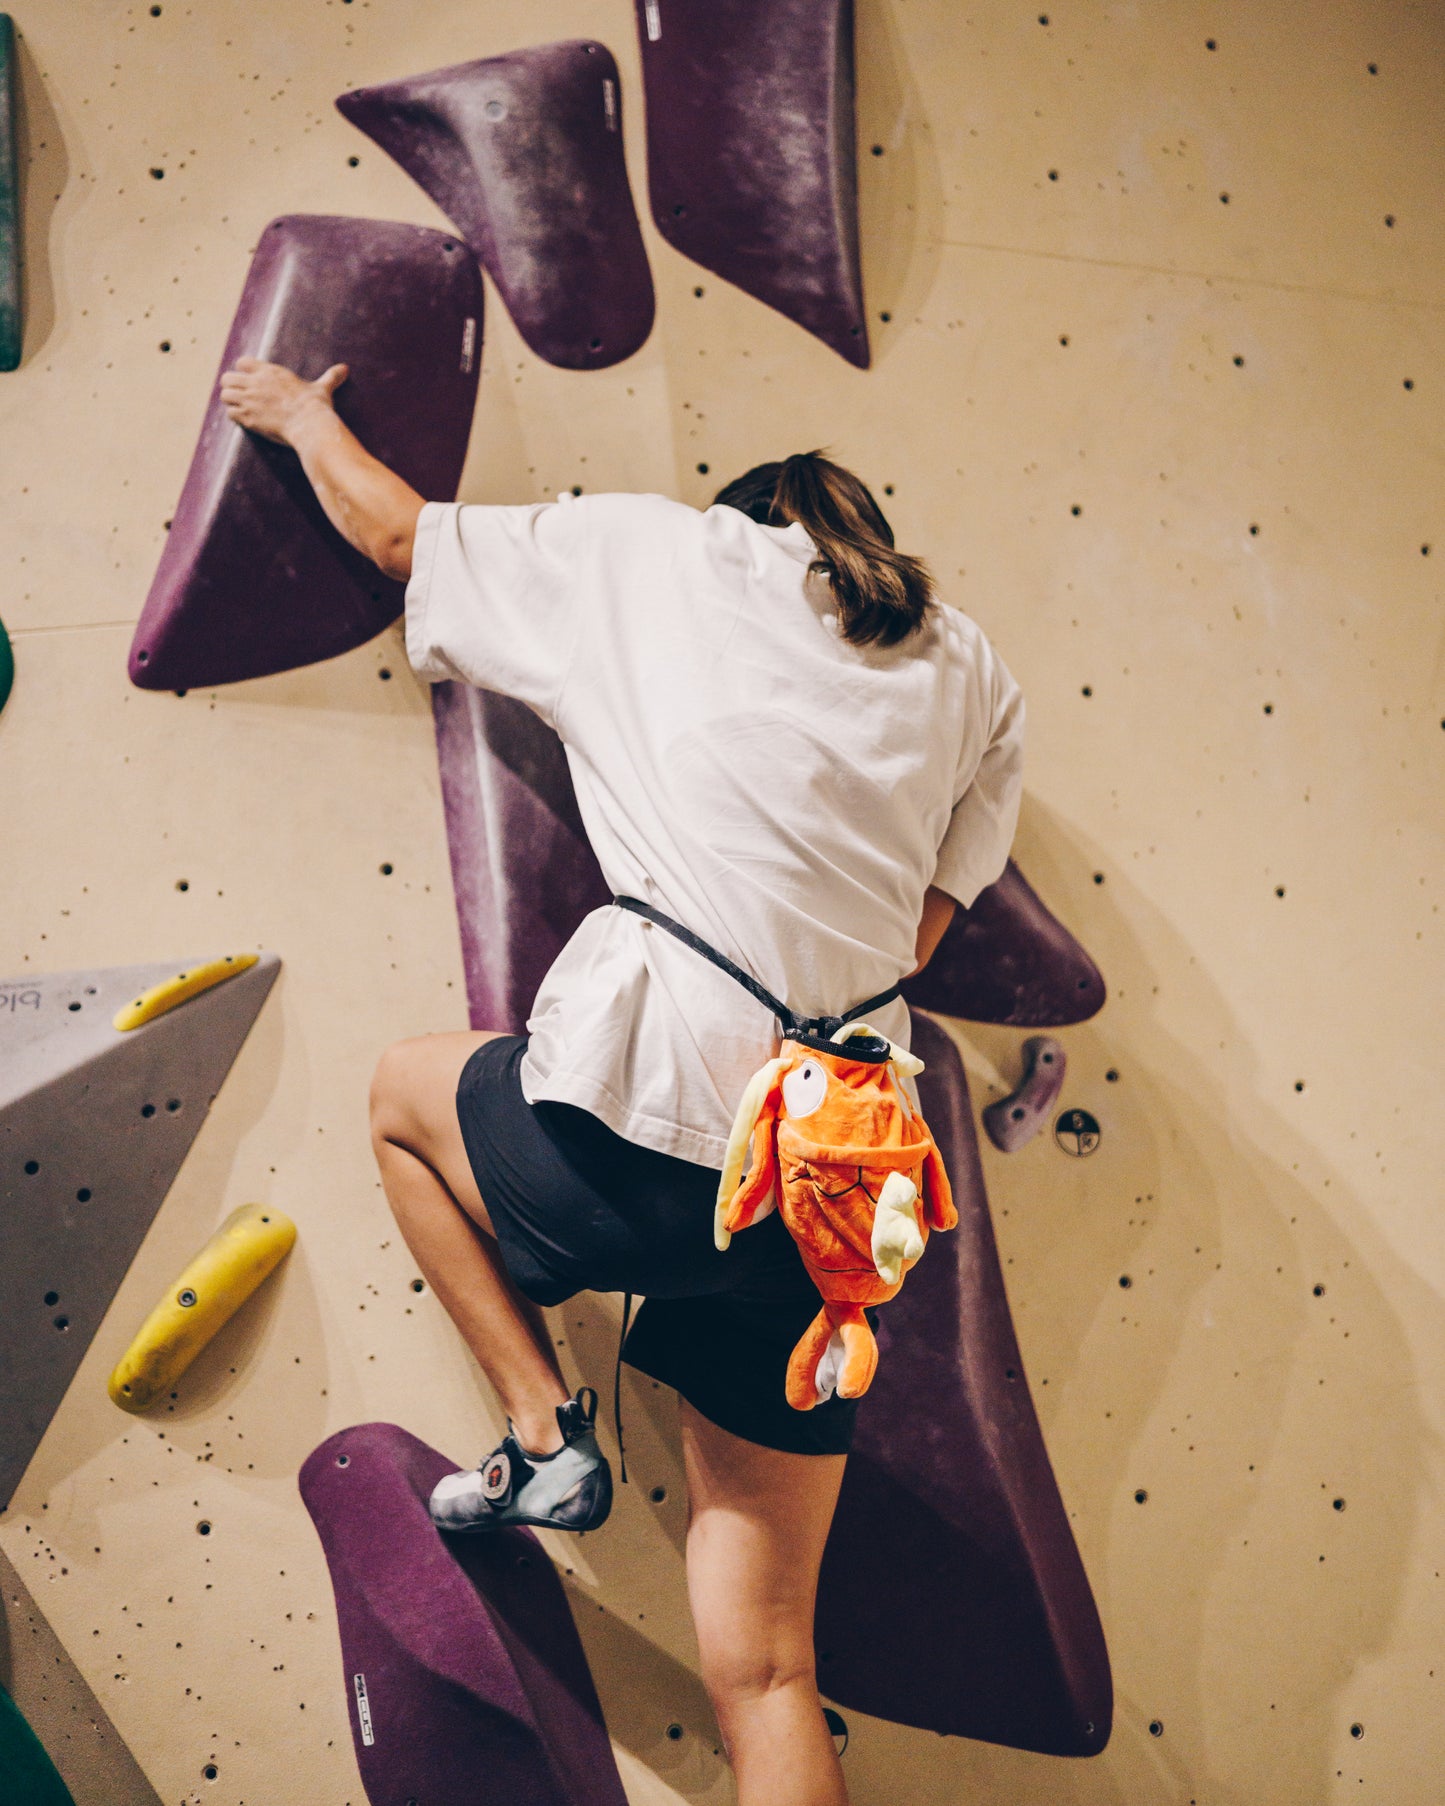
point(180, 989)
point(249, 1244)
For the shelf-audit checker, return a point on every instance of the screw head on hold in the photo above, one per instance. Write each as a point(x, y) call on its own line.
point(185, 1298)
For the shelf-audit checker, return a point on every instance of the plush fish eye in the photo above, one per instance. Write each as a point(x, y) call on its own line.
point(804, 1088)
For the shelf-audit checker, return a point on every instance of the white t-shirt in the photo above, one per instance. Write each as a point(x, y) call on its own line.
point(738, 764)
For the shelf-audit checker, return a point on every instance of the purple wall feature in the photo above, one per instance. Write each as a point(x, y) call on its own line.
point(464, 1676)
point(1009, 960)
point(254, 579)
point(522, 867)
point(1013, 1121)
point(750, 152)
point(523, 153)
point(973, 1614)
point(952, 1595)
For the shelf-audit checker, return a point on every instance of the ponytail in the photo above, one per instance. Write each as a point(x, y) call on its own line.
point(882, 594)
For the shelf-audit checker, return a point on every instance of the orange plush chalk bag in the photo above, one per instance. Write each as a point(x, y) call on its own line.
point(826, 1134)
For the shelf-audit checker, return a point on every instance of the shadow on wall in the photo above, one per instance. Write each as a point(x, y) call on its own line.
point(47, 167)
point(1217, 1382)
point(900, 189)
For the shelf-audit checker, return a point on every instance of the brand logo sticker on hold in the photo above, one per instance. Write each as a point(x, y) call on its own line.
point(609, 103)
point(363, 1710)
point(653, 10)
point(469, 345)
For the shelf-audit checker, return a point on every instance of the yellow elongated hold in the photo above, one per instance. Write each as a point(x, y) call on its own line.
point(180, 989)
point(249, 1244)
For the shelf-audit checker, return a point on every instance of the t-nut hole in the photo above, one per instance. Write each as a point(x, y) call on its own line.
point(204, 1527)
point(62, 1323)
point(210, 1771)
point(52, 1298)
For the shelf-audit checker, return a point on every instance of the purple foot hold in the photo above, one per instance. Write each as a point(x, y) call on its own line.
point(750, 155)
point(464, 1676)
point(254, 578)
point(523, 153)
point(1014, 1120)
point(522, 867)
point(1008, 960)
point(973, 1614)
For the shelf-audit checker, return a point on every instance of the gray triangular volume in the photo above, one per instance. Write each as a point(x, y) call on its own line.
point(94, 1125)
point(56, 1700)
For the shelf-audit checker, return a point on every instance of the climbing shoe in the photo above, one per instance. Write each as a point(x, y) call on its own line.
point(568, 1490)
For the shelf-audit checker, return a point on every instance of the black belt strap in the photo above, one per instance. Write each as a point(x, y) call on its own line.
point(820, 1027)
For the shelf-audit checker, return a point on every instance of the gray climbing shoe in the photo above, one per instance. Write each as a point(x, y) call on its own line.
point(568, 1490)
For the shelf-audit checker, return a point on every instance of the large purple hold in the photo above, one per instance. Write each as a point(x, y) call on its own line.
point(988, 1628)
point(751, 159)
point(522, 867)
point(254, 578)
point(523, 153)
point(464, 1676)
point(972, 1614)
point(1008, 960)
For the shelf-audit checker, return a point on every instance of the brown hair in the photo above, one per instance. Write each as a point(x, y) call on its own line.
point(882, 594)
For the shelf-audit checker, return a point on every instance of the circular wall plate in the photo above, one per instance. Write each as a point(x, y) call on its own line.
point(1077, 1132)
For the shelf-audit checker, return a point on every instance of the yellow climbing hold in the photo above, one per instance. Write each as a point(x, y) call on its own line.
point(249, 1244)
point(180, 989)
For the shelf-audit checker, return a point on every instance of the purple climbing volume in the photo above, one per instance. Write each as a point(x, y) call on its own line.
point(254, 578)
point(523, 153)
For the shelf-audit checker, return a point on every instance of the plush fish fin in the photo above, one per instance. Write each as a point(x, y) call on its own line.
point(756, 1115)
point(896, 1235)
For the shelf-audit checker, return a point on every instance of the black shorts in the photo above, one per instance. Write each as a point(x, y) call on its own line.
point(576, 1208)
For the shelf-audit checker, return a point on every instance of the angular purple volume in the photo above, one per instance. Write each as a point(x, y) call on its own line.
point(751, 159)
point(952, 1595)
point(254, 578)
point(1008, 960)
point(523, 153)
point(522, 867)
point(972, 1614)
point(464, 1676)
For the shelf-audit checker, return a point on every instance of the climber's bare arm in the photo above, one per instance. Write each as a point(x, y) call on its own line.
point(938, 908)
point(368, 504)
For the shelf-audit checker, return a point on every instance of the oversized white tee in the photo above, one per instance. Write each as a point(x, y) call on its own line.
point(738, 764)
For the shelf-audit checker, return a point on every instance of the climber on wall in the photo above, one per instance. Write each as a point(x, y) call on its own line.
point(779, 739)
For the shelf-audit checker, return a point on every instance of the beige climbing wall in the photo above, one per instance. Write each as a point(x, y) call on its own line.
point(1157, 299)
